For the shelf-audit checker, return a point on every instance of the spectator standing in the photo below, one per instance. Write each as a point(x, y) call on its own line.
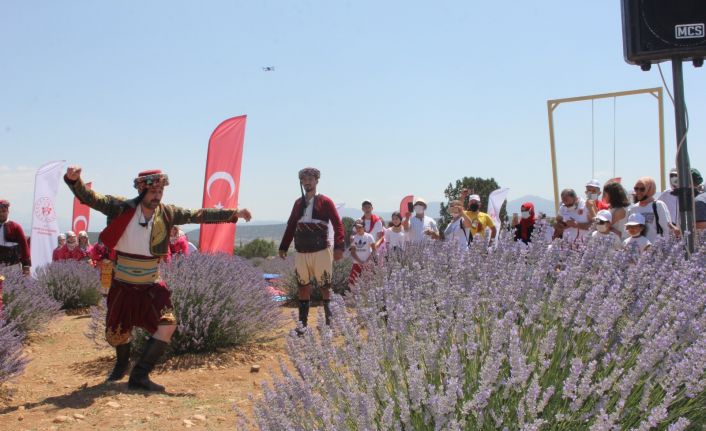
point(70, 250)
point(178, 243)
point(459, 228)
point(480, 221)
point(657, 220)
point(14, 248)
point(395, 236)
point(373, 223)
point(670, 197)
point(420, 227)
point(573, 220)
point(60, 240)
point(524, 224)
point(603, 230)
point(614, 194)
point(84, 245)
point(637, 228)
point(593, 198)
point(362, 249)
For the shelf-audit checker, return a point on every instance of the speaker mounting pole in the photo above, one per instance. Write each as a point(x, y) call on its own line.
point(686, 191)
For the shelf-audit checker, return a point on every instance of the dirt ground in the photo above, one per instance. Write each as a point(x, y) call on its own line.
point(63, 387)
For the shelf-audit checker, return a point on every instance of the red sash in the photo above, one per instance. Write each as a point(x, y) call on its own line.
point(112, 233)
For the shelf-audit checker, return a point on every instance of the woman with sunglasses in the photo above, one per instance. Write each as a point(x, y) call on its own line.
point(658, 222)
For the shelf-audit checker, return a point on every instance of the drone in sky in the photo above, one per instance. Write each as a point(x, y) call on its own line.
point(268, 69)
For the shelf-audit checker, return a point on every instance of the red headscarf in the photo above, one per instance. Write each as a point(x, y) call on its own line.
point(526, 223)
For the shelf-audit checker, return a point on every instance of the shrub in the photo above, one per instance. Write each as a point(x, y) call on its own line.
point(219, 301)
point(256, 248)
point(74, 284)
point(341, 270)
point(518, 337)
point(28, 306)
point(12, 363)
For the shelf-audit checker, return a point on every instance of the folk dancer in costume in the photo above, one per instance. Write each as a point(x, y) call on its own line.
point(308, 226)
point(138, 232)
point(14, 248)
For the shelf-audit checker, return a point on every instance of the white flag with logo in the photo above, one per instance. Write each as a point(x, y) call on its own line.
point(495, 202)
point(45, 227)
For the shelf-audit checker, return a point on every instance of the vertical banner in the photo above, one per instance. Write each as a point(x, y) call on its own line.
point(222, 182)
point(495, 203)
point(404, 204)
point(81, 215)
point(45, 226)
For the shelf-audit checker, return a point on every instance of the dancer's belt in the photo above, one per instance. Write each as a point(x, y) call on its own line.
point(310, 237)
point(136, 270)
point(10, 254)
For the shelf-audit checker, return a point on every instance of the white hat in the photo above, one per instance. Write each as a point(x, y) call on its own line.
point(635, 219)
point(474, 198)
point(70, 234)
point(604, 215)
point(420, 200)
point(594, 183)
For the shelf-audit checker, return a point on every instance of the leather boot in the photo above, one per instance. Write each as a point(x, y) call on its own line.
point(304, 312)
point(122, 353)
point(327, 311)
point(139, 377)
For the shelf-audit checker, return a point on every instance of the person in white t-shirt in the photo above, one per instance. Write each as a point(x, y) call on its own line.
point(373, 223)
point(395, 236)
point(603, 231)
point(459, 227)
point(658, 222)
point(573, 221)
point(636, 228)
point(420, 227)
point(362, 249)
point(670, 197)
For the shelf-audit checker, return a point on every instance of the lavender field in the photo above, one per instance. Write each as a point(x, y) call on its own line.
point(511, 338)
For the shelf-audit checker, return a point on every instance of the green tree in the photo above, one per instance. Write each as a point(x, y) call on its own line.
point(256, 248)
point(348, 229)
point(480, 186)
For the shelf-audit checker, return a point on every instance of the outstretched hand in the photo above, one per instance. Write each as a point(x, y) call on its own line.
point(73, 173)
point(244, 214)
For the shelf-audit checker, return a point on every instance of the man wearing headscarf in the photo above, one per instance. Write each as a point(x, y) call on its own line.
point(308, 227)
point(658, 222)
point(14, 248)
point(138, 232)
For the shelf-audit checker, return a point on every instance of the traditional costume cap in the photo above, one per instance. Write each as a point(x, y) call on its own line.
point(61, 236)
point(83, 234)
point(70, 234)
point(153, 177)
point(4, 203)
point(311, 172)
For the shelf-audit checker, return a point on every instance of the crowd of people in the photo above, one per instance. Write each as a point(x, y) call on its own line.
point(143, 231)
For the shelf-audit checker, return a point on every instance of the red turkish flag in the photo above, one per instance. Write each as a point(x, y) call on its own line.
point(82, 213)
point(222, 182)
point(404, 209)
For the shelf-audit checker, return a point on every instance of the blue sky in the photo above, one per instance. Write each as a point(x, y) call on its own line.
point(386, 98)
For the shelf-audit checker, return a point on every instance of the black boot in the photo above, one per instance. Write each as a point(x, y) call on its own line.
point(139, 377)
point(122, 352)
point(304, 312)
point(327, 311)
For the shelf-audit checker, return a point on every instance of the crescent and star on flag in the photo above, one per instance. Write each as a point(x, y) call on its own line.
point(220, 175)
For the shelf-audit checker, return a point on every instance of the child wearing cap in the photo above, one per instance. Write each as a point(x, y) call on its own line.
point(636, 229)
point(603, 232)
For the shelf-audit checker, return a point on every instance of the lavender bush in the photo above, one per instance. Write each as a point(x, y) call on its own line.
point(12, 363)
point(518, 337)
point(27, 304)
point(219, 301)
point(74, 284)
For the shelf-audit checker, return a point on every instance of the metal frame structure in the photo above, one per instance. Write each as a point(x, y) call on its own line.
point(554, 103)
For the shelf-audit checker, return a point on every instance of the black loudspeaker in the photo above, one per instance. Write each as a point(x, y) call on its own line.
point(658, 30)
